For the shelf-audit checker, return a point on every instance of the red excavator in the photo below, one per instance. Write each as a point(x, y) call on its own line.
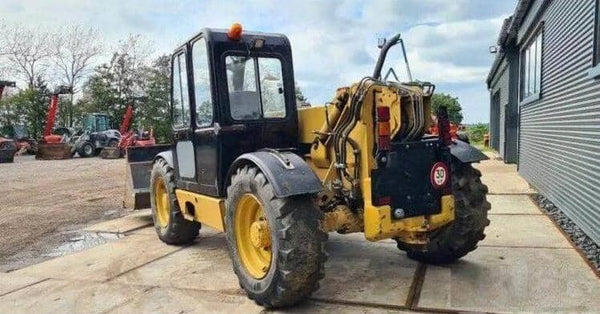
point(54, 146)
point(129, 138)
point(8, 147)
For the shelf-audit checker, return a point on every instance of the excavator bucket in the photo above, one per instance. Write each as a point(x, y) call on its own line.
point(110, 153)
point(8, 148)
point(53, 151)
point(139, 166)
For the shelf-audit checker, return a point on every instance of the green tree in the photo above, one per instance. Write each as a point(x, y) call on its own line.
point(31, 108)
point(114, 85)
point(454, 108)
point(477, 131)
point(9, 117)
point(155, 111)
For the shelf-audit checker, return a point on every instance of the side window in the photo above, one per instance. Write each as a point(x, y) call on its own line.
point(202, 92)
point(185, 98)
point(176, 98)
point(271, 87)
point(244, 101)
point(531, 68)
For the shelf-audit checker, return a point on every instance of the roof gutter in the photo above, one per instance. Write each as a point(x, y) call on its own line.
point(508, 34)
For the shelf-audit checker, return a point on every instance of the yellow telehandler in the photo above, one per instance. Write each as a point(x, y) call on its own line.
point(276, 179)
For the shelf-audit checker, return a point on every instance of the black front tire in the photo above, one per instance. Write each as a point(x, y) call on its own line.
point(178, 229)
point(462, 235)
point(86, 150)
point(297, 242)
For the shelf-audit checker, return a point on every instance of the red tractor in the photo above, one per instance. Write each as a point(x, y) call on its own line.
point(129, 138)
point(457, 131)
point(54, 146)
point(8, 147)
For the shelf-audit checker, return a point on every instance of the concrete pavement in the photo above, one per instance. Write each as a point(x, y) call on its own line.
point(524, 265)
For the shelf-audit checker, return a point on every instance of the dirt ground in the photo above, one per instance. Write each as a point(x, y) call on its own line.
point(42, 203)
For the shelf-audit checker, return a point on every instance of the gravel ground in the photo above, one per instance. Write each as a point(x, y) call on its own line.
point(44, 203)
point(585, 243)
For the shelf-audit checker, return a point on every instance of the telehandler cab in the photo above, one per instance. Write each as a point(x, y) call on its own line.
point(277, 179)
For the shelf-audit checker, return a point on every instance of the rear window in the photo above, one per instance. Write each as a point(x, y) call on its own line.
point(255, 87)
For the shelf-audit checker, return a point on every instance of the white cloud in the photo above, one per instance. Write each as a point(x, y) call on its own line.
point(334, 42)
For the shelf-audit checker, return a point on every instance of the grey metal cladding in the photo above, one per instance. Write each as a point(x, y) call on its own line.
point(559, 150)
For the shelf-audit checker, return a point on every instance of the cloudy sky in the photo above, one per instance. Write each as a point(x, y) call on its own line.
point(334, 42)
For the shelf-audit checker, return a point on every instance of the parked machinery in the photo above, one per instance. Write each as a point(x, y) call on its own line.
point(94, 135)
point(54, 145)
point(8, 147)
point(25, 143)
point(276, 179)
point(129, 138)
point(457, 131)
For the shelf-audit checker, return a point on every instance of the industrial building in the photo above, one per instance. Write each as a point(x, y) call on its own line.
point(545, 103)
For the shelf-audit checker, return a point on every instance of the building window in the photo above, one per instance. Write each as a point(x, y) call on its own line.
point(531, 69)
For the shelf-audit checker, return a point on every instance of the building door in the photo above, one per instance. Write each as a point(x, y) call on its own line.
point(495, 121)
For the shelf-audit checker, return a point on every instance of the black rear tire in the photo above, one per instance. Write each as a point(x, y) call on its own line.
point(463, 137)
point(462, 235)
point(178, 229)
point(297, 242)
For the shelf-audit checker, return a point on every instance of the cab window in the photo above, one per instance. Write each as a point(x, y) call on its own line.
point(271, 87)
point(180, 98)
point(101, 123)
point(255, 88)
point(241, 81)
point(202, 92)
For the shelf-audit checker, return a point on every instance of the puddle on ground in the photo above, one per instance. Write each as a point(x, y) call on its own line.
point(82, 240)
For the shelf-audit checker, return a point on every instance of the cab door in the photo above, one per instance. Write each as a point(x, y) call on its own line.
point(205, 126)
point(184, 156)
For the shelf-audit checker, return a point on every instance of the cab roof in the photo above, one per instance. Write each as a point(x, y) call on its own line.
point(218, 35)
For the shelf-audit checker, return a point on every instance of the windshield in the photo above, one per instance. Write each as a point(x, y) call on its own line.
point(101, 123)
point(255, 87)
point(20, 131)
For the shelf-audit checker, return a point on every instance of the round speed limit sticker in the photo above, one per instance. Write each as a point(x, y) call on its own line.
point(439, 175)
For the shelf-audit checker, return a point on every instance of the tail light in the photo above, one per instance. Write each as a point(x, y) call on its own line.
point(384, 145)
point(383, 200)
point(384, 141)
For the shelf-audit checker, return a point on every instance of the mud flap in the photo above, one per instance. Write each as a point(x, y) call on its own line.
point(137, 175)
point(466, 153)
point(54, 151)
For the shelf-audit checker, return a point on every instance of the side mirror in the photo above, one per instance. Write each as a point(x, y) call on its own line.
point(493, 49)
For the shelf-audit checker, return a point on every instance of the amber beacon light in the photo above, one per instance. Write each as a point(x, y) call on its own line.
point(235, 31)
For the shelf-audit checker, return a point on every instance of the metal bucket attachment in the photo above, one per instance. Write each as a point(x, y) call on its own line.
point(7, 151)
point(53, 151)
point(137, 175)
point(110, 153)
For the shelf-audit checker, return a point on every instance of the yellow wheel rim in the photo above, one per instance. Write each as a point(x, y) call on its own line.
point(252, 236)
point(161, 200)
